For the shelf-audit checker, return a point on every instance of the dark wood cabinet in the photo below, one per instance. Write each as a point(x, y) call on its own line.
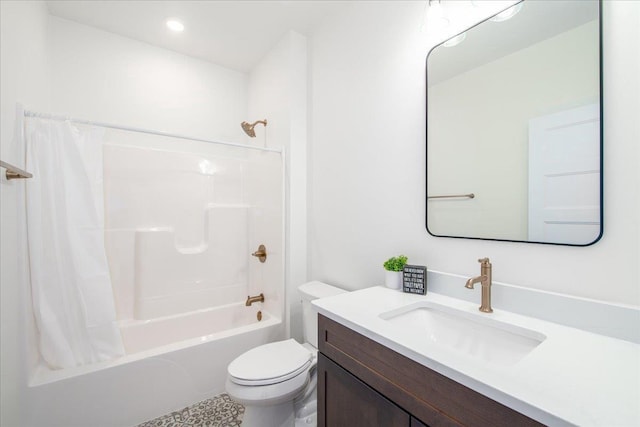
point(351, 402)
point(363, 383)
point(416, 423)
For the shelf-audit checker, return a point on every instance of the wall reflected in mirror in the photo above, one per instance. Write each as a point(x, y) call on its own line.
point(513, 116)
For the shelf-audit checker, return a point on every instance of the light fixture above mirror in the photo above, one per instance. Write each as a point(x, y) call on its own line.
point(507, 14)
point(454, 41)
point(437, 14)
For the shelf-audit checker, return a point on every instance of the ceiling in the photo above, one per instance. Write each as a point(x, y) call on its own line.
point(235, 34)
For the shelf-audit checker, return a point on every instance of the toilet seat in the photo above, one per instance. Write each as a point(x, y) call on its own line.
point(271, 363)
point(268, 395)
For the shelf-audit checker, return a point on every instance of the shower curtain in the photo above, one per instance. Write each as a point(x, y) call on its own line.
point(70, 284)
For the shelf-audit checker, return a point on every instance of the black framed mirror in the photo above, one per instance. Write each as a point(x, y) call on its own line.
point(514, 127)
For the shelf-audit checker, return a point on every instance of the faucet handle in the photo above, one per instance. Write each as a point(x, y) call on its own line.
point(484, 261)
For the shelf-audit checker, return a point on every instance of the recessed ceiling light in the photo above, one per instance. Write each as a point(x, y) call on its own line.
point(175, 25)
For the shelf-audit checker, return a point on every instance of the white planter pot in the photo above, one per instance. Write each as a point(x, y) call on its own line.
point(393, 279)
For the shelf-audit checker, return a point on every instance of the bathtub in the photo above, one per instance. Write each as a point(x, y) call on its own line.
point(191, 328)
point(171, 362)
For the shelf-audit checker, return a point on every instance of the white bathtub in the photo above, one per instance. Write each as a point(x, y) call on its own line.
point(212, 323)
point(171, 362)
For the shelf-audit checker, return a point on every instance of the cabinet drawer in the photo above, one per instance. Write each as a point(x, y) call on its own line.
point(429, 396)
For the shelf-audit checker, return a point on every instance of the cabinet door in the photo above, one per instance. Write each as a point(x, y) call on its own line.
point(417, 423)
point(345, 401)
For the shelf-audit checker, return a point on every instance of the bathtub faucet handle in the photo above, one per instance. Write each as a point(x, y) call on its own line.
point(251, 300)
point(261, 253)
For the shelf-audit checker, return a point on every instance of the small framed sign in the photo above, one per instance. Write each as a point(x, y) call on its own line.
point(414, 279)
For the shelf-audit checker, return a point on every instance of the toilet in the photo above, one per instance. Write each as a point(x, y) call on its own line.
point(276, 382)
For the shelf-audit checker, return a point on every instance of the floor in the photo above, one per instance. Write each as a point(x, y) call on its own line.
point(219, 411)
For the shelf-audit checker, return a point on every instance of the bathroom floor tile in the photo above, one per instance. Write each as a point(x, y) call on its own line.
point(219, 411)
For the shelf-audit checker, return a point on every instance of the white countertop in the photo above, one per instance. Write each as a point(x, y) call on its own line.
point(572, 377)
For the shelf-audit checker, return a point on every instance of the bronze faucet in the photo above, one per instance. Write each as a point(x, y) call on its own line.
point(485, 280)
point(251, 300)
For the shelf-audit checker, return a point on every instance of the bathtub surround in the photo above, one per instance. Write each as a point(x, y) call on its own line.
point(219, 411)
point(173, 251)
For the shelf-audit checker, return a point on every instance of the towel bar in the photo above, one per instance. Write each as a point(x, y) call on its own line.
point(14, 172)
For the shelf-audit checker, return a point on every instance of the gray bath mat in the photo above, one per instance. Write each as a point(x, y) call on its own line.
point(219, 411)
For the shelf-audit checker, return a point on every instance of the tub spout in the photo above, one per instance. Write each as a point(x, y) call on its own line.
point(251, 300)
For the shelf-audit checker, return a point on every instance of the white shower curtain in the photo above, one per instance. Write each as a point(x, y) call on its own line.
point(70, 283)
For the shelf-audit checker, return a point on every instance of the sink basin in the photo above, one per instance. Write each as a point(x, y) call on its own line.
point(472, 334)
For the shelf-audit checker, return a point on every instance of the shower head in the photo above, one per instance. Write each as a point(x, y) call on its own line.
point(248, 128)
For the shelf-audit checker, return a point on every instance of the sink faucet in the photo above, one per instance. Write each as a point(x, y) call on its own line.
point(251, 300)
point(485, 280)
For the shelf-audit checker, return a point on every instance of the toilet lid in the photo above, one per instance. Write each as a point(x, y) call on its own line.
point(270, 363)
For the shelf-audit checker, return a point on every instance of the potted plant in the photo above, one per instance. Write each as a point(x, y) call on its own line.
point(393, 273)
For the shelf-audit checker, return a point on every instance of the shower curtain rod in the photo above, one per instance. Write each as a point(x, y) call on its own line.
point(141, 130)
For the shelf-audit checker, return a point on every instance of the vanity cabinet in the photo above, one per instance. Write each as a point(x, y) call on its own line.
point(350, 402)
point(363, 383)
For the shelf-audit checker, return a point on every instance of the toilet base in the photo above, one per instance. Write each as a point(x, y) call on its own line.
point(281, 416)
point(309, 421)
point(306, 407)
point(299, 412)
point(269, 416)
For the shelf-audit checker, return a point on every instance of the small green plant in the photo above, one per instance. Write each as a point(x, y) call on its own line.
point(395, 263)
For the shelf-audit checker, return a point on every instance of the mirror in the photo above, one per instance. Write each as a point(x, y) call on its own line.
point(514, 133)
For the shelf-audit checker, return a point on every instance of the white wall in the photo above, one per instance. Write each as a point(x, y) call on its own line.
point(23, 78)
point(101, 76)
point(278, 92)
point(367, 162)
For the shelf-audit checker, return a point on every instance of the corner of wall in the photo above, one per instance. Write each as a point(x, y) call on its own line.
point(278, 91)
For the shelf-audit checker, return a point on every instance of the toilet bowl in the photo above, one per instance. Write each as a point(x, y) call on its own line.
point(276, 382)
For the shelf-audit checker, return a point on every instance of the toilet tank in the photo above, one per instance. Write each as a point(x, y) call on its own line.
point(308, 292)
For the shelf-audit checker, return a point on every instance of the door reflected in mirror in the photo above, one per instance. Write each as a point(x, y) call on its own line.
point(514, 119)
